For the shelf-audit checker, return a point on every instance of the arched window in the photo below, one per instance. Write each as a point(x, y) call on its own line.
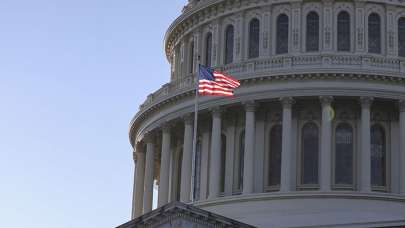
point(343, 31)
point(191, 58)
point(275, 155)
point(378, 156)
point(344, 154)
point(312, 39)
point(208, 49)
point(310, 154)
point(282, 34)
point(239, 163)
point(401, 37)
point(197, 171)
point(374, 33)
point(179, 161)
point(254, 38)
point(229, 38)
point(223, 162)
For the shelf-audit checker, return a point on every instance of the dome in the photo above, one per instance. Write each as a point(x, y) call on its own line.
point(315, 135)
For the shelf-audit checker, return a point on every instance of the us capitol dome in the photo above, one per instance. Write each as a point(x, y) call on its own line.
point(314, 137)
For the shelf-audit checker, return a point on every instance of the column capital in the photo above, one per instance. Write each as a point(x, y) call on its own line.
point(326, 100)
point(366, 102)
point(287, 102)
point(250, 106)
point(134, 156)
point(149, 137)
point(166, 127)
point(188, 119)
point(216, 111)
point(401, 105)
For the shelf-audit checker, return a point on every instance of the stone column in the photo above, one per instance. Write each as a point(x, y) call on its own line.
point(149, 173)
point(215, 158)
point(163, 196)
point(365, 166)
point(326, 144)
point(286, 152)
point(186, 172)
point(248, 169)
point(402, 146)
point(139, 183)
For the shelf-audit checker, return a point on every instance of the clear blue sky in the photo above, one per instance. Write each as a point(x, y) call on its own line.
point(72, 75)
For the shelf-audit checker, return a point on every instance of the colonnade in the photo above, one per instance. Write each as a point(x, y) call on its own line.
point(144, 174)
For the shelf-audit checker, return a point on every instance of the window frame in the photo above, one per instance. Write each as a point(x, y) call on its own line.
point(306, 32)
point(267, 186)
point(387, 130)
point(353, 125)
point(275, 31)
point(351, 30)
point(249, 37)
point(300, 185)
point(205, 48)
point(225, 40)
point(237, 187)
point(382, 28)
point(398, 36)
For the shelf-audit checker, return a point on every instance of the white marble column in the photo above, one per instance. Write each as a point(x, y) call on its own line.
point(215, 161)
point(149, 174)
point(326, 144)
point(186, 166)
point(402, 146)
point(163, 195)
point(248, 165)
point(365, 166)
point(286, 152)
point(139, 183)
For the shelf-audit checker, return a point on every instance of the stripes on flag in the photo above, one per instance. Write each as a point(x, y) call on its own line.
point(216, 83)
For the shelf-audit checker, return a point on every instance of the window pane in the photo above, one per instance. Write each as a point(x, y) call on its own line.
point(229, 44)
point(344, 154)
point(312, 40)
point(275, 155)
point(282, 34)
point(208, 49)
point(374, 33)
point(378, 156)
point(223, 161)
point(254, 38)
point(197, 171)
point(241, 159)
point(401, 37)
point(310, 152)
point(343, 29)
point(191, 66)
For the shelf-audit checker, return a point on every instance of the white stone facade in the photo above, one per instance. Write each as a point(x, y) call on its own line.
point(315, 136)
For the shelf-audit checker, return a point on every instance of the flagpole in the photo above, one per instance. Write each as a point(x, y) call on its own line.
point(195, 129)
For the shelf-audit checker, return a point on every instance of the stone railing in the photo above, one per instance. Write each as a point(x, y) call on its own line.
point(286, 65)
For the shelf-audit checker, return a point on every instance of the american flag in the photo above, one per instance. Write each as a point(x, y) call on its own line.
point(215, 83)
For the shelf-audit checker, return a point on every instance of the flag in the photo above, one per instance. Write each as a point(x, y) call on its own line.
point(215, 83)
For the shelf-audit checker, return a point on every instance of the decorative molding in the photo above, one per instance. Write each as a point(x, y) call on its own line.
point(326, 100)
point(287, 102)
point(366, 102)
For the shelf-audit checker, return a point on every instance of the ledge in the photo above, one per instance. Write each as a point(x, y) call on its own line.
point(300, 195)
